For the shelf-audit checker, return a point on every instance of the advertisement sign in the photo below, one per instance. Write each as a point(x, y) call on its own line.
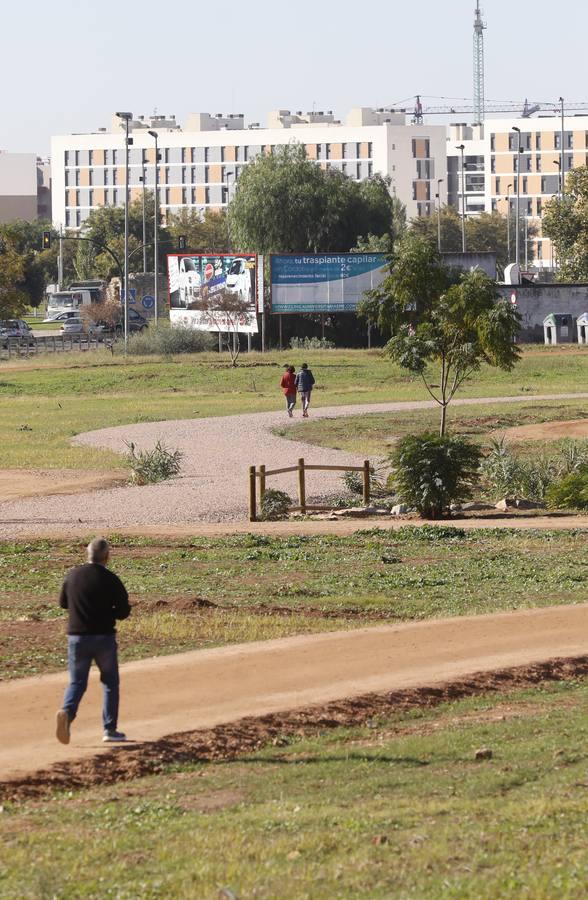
point(323, 282)
point(213, 291)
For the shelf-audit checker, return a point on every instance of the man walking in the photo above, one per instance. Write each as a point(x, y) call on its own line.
point(95, 598)
point(304, 383)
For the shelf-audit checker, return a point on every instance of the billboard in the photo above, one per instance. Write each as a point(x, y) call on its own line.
point(213, 291)
point(323, 282)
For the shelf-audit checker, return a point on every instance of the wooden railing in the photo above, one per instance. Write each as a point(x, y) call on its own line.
point(301, 468)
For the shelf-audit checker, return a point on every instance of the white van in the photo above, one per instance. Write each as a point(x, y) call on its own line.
point(66, 301)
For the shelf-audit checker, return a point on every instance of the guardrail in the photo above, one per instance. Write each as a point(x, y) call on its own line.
point(301, 468)
point(66, 343)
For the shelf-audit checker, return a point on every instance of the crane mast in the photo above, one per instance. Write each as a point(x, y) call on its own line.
point(479, 26)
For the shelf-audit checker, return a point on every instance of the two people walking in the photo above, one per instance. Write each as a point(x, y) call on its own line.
point(301, 383)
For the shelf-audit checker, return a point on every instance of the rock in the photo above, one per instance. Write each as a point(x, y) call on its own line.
point(474, 506)
point(380, 839)
point(516, 503)
point(529, 504)
point(401, 509)
point(483, 753)
point(358, 512)
point(506, 504)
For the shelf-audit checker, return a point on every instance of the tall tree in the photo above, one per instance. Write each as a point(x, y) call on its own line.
point(13, 296)
point(444, 324)
point(565, 222)
point(286, 203)
point(208, 231)
point(39, 266)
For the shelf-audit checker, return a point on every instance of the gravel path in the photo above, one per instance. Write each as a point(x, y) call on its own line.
point(214, 482)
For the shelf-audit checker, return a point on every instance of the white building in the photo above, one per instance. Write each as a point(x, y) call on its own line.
point(200, 163)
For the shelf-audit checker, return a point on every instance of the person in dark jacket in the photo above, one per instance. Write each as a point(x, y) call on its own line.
point(288, 385)
point(95, 598)
point(304, 383)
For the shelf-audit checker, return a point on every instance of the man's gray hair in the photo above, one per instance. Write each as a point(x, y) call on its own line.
point(98, 550)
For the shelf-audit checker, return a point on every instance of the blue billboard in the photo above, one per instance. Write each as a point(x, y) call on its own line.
point(323, 282)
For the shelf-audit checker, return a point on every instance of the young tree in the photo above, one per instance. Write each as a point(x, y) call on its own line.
point(444, 324)
point(565, 222)
point(224, 312)
point(285, 203)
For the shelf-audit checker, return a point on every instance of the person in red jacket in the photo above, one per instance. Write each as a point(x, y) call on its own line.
point(288, 385)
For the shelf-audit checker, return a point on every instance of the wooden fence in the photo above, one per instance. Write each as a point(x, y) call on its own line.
point(301, 468)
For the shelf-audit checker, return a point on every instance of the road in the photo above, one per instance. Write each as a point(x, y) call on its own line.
point(205, 688)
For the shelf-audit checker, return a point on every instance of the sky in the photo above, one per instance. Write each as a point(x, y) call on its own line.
point(66, 67)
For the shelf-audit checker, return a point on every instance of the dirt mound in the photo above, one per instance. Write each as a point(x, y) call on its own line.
point(548, 431)
point(183, 605)
point(18, 483)
point(226, 742)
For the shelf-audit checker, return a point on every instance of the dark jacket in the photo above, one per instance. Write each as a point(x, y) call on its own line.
point(95, 598)
point(304, 380)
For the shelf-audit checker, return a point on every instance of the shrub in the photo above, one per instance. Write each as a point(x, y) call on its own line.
point(506, 474)
point(379, 487)
point(275, 505)
point(151, 466)
point(313, 343)
point(570, 492)
point(166, 341)
point(431, 472)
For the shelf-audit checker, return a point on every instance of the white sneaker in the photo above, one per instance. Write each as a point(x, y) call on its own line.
point(114, 737)
point(62, 729)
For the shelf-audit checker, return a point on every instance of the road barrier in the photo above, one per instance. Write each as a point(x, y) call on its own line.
point(66, 343)
point(301, 468)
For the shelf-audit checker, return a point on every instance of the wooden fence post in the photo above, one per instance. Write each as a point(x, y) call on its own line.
point(301, 486)
point(252, 495)
point(366, 482)
point(261, 483)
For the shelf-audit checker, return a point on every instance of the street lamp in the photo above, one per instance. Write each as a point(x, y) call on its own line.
point(518, 210)
point(461, 148)
point(558, 164)
point(508, 190)
point(126, 118)
point(438, 196)
point(155, 137)
point(142, 180)
point(226, 176)
point(562, 150)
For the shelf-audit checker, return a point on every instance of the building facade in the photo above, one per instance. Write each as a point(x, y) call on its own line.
point(199, 164)
point(25, 187)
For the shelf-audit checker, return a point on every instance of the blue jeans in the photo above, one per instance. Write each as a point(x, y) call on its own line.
point(82, 650)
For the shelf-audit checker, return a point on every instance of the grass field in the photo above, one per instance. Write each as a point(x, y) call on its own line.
point(59, 397)
point(264, 587)
point(397, 808)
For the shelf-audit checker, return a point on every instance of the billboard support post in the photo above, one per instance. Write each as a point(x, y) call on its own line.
point(263, 331)
point(369, 335)
point(280, 334)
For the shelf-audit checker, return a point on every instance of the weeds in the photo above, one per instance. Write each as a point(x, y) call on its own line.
point(275, 505)
point(151, 466)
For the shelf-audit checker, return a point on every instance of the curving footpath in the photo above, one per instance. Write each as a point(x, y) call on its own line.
point(213, 485)
point(205, 688)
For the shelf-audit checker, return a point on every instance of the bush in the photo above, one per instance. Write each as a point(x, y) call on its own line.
point(166, 341)
point(570, 492)
point(151, 466)
point(275, 505)
point(431, 472)
point(313, 343)
point(353, 481)
point(507, 475)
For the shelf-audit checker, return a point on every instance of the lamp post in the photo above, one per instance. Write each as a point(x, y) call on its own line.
point(142, 180)
point(226, 177)
point(508, 190)
point(461, 148)
point(438, 195)
point(155, 137)
point(558, 164)
point(126, 118)
point(518, 210)
point(562, 149)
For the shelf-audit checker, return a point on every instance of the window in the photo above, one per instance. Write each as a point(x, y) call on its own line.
point(358, 171)
point(115, 157)
point(245, 154)
point(570, 140)
point(492, 143)
point(77, 176)
point(114, 196)
point(207, 195)
point(90, 198)
point(538, 141)
point(78, 218)
point(543, 185)
point(183, 154)
point(525, 186)
point(539, 249)
point(77, 198)
point(343, 151)
point(105, 176)
point(66, 177)
point(537, 163)
point(106, 157)
point(344, 168)
point(512, 141)
point(115, 176)
point(207, 154)
point(319, 151)
point(167, 196)
point(66, 157)
point(67, 218)
point(371, 149)
point(493, 164)
point(497, 191)
point(515, 163)
point(529, 207)
point(193, 196)
point(539, 206)
point(166, 175)
point(90, 157)
point(183, 175)
point(370, 169)
point(193, 174)
point(184, 196)
point(327, 151)
point(206, 174)
point(222, 154)
point(557, 140)
point(494, 206)
point(77, 157)
point(166, 155)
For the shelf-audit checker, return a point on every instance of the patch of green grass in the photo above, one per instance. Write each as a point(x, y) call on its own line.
point(397, 809)
point(374, 434)
point(61, 395)
point(319, 583)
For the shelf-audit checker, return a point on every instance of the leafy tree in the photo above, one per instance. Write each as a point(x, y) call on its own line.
point(13, 296)
point(565, 222)
point(202, 232)
point(385, 243)
point(85, 261)
point(39, 266)
point(285, 203)
point(441, 318)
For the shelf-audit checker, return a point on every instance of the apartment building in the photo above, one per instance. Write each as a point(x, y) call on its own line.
point(201, 162)
point(492, 152)
point(25, 187)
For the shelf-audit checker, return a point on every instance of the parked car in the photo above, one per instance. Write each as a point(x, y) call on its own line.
point(137, 322)
point(76, 325)
point(15, 329)
point(61, 317)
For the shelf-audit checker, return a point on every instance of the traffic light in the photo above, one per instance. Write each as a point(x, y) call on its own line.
point(182, 242)
point(46, 240)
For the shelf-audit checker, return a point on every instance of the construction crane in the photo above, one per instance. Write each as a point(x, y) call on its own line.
point(522, 110)
point(479, 26)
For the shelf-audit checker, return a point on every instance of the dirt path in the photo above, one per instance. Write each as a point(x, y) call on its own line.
point(213, 486)
point(205, 688)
